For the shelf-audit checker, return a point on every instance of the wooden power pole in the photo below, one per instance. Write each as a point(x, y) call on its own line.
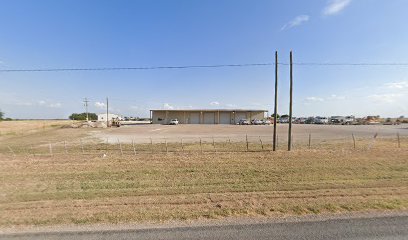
point(290, 103)
point(86, 101)
point(275, 111)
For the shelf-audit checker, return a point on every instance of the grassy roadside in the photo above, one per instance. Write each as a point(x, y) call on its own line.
point(178, 186)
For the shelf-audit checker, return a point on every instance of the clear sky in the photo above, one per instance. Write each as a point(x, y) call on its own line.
point(143, 33)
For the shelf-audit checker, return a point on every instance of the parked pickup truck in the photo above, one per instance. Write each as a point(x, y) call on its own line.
point(243, 122)
point(256, 122)
point(173, 122)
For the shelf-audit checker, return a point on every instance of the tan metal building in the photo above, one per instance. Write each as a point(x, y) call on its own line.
point(206, 116)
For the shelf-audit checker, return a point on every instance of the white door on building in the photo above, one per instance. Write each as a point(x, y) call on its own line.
point(225, 118)
point(209, 118)
point(194, 118)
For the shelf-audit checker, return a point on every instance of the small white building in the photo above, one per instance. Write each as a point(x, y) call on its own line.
point(102, 117)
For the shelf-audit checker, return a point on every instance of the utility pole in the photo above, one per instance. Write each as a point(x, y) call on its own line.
point(275, 112)
point(107, 112)
point(86, 101)
point(290, 103)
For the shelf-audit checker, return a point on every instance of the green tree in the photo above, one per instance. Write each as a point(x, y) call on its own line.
point(1, 115)
point(82, 116)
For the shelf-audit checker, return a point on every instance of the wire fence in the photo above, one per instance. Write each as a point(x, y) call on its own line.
point(237, 143)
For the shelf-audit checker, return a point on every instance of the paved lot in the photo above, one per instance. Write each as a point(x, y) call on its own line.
point(143, 133)
point(357, 229)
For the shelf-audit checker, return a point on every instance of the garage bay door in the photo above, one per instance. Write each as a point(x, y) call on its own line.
point(209, 118)
point(225, 118)
point(194, 118)
point(239, 116)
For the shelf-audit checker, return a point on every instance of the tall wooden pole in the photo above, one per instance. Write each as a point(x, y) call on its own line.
point(275, 111)
point(290, 103)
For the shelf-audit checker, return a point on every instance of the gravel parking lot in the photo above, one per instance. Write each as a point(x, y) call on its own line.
point(143, 133)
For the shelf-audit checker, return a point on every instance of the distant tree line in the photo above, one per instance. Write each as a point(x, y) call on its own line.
point(82, 116)
point(2, 117)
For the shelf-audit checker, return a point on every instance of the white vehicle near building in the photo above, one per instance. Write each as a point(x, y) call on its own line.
point(284, 120)
point(256, 122)
point(349, 120)
point(173, 122)
point(321, 120)
point(103, 117)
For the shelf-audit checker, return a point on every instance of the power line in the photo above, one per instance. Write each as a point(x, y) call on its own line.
point(135, 68)
point(346, 64)
point(198, 66)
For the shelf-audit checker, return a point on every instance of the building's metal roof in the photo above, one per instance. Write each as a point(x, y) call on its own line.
point(210, 110)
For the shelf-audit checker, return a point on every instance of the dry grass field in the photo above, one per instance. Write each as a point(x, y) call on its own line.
point(82, 187)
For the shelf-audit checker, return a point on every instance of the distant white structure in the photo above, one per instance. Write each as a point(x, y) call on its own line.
point(102, 117)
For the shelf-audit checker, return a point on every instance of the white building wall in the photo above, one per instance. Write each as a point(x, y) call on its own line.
point(102, 117)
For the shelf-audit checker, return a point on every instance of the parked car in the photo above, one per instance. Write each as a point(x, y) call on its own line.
point(256, 122)
point(321, 120)
point(243, 122)
point(310, 120)
point(284, 120)
point(300, 120)
point(266, 122)
point(173, 122)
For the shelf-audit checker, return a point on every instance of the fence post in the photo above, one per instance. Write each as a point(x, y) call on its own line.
point(201, 146)
point(11, 150)
point(107, 145)
point(261, 143)
point(50, 147)
point(398, 138)
point(247, 145)
point(120, 147)
point(354, 141)
point(133, 145)
point(215, 149)
point(182, 145)
point(165, 141)
point(310, 140)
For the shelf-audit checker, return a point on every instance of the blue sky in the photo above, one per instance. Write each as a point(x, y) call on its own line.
point(81, 34)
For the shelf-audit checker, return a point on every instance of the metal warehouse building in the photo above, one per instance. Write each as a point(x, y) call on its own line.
point(205, 116)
